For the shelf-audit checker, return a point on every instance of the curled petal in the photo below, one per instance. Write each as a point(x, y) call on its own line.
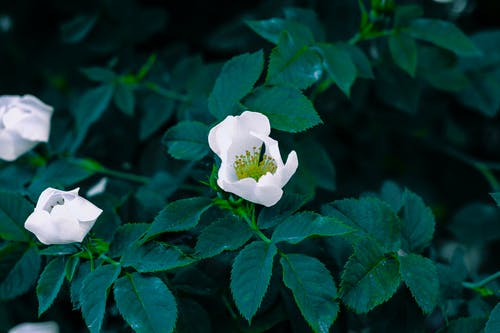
point(248, 189)
point(12, 145)
point(83, 210)
point(291, 165)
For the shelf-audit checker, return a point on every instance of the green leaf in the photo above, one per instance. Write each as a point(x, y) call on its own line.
point(50, 283)
point(124, 98)
point(360, 60)
point(392, 194)
point(227, 233)
point(302, 225)
point(404, 13)
point(14, 209)
point(294, 64)
point(272, 29)
point(146, 303)
point(307, 18)
point(287, 108)
point(59, 250)
point(274, 215)
point(156, 111)
point(339, 66)
point(78, 28)
point(235, 81)
point(269, 29)
point(76, 283)
point(99, 74)
point(369, 277)
point(125, 235)
point(443, 34)
point(187, 140)
point(475, 224)
point(250, 276)
point(93, 294)
point(465, 325)
point(89, 109)
point(71, 267)
point(59, 174)
point(418, 223)
point(154, 257)
point(404, 52)
point(370, 217)
point(493, 323)
point(496, 197)
point(313, 290)
point(22, 276)
point(179, 215)
point(420, 275)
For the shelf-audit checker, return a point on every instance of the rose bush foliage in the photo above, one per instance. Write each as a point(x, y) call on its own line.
point(383, 217)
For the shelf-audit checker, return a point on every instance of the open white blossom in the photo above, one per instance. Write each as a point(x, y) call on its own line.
point(62, 217)
point(251, 166)
point(24, 122)
point(43, 327)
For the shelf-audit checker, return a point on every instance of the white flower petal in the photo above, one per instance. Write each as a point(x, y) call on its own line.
point(67, 226)
point(43, 327)
point(248, 189)
point(39, 222)
point(28, 126)
point(250, 121)
point(220, 136)
point(272, 148)
point(12, 145)
point(292, 163)
point(83, 210)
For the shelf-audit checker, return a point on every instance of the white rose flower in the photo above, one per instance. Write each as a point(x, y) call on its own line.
point(251, 166)
point(62, 217)
point(24, 122)
point(45, 327)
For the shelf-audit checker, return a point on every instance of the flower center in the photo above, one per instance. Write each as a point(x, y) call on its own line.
point(254, 164)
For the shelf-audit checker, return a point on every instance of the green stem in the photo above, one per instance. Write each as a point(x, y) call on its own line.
point(252, 223)
point(170, 94)
point(124, 175)
point(474, 285)
point(109, 260)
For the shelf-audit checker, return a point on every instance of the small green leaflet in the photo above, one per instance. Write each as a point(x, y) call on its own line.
point(272, 30)
point(293, 63)
point(77, 29)
point(125, 235)
point(235, 81)
point(404, 52)
point(153, 257)
point(286, 107)
point(250, 276)
point(93, 294)
point(418, 223)
point(288, 204)
point(493, 323)
point(22, 276)
point(187, 140)
point(50, 283)
point(370, 217)
point(89, 109)
point(443, 34)
point(465, 325)
point(146, 303)
point(496, 197)
point(313, 290)
point(369, 278)
point(420, 275)
point(99, 74)
point(227, 233)
point(124, 98)
point(339, 66)
point(302, 225)
point(14, 209)
point(179, 215)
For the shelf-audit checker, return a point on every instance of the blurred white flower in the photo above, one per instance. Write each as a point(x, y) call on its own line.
point(251, 166)
point(44, 327)
point(24, 122)
point(98, 188)
point(62, 217)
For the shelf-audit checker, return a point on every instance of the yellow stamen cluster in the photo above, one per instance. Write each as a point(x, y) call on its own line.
point(253, 165)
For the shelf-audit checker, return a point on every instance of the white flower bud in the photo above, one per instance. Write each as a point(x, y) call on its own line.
point(62, 217)
point(24, 122)
point(45, 327)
